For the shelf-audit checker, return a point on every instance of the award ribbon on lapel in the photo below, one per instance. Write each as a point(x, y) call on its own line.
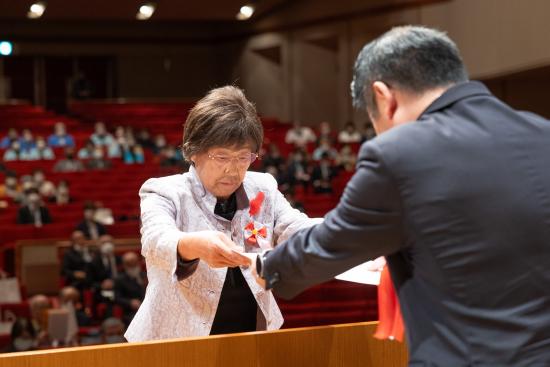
point(254, 229)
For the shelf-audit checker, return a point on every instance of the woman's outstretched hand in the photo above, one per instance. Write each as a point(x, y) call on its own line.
point(212, 247)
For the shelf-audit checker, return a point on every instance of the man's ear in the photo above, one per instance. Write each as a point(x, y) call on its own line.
point(385, 100)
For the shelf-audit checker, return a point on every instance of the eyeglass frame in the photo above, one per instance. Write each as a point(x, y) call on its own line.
point(252, 159)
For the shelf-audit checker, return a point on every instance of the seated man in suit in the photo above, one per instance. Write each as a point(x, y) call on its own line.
point(103, 271)
point(75, 267)
point(33, 211)
point(130, 286)
point(91, 228)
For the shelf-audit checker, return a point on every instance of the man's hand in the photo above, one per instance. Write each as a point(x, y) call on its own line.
point(213, 247)
point(253, 271)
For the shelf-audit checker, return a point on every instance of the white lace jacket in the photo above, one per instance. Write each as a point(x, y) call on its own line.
point(175, 204)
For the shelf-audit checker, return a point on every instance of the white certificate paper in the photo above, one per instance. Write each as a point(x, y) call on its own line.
point(362, 274)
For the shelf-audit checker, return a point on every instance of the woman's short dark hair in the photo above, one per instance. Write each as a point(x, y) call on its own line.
point(223, 118)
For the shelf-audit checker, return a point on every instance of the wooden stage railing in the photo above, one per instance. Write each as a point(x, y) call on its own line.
point(346, 345)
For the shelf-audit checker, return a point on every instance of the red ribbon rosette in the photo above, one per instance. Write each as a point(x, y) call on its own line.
point(253, 230)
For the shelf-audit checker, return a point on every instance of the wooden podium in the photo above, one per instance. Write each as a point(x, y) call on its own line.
point(346, 345)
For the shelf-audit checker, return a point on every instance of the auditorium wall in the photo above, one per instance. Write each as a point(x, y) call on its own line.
point(311, 80)
point(297, 62)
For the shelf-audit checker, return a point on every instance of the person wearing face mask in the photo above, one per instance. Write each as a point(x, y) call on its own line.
point(13, 153)
point(98, 160)
point(103, 271)
point(23, 337)
point(45, 187)
point(76, 262)
point(69, 163)
point(200, 228)
point(130, 286)
point(33, 211)
point(91, 228)
point(39, 152)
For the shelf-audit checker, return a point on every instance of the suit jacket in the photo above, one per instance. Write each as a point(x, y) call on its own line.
point(459, 202)
point(74, 261)
point(84, 228)
point(128, 288)
point(177, 307)
point(24, 215)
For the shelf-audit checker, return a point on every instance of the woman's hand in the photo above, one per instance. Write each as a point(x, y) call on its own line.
point(213, 247)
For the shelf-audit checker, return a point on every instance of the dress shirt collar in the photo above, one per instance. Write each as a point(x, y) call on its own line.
point(456, 93)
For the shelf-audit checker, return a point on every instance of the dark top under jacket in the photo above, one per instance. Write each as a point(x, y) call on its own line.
point(237, 309)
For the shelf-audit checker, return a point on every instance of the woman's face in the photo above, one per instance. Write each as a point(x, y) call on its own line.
point(222, 179)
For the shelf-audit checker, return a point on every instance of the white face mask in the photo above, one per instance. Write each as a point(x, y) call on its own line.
point(107, 248)
point(22, 344)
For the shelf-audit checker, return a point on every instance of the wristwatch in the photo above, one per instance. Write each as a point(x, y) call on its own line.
point(260, 259)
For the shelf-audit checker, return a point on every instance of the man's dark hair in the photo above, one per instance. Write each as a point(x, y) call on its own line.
point(223, 118)
point(414, 59)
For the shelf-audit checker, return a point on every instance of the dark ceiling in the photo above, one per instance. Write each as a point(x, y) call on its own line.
point(115, 10)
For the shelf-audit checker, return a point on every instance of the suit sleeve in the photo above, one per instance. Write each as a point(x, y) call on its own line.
point(366, 224)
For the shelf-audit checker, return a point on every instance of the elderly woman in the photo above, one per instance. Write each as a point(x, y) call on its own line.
point(197, 226)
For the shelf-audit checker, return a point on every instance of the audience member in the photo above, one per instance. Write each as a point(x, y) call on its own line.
point(324, 148)
point(62, 194)
point(349, 134)
point(103, 271)
point(69, 163)
point(75, 266)
point(7, 140)
point(26, 141)
point(101, 137)
point(368, 132)
point(91, 229)
point(130, 286)
point(11, 188)
point(144, 139)
point(39, 306)
point(273, 157)
point(325, 132)
point(346, 159)
point(33, 210)
point(87, 151)
point(300, 135)
point(159, 143)
point(23, 337)
point(71, 298)
point(112, 331)
point(98, 160)
point(322, 175)
point(13, 153)
point(45, 188)
point(298, 171)
point(41, 151)
point(60, 138)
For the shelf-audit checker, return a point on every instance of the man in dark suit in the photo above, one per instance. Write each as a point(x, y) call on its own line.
point(130, 286)
point(456, 196)
point(34, 211)
point(89, 226)
point(75, 268)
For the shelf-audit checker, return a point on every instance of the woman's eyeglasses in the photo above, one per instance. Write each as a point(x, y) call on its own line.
point(243, 160)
